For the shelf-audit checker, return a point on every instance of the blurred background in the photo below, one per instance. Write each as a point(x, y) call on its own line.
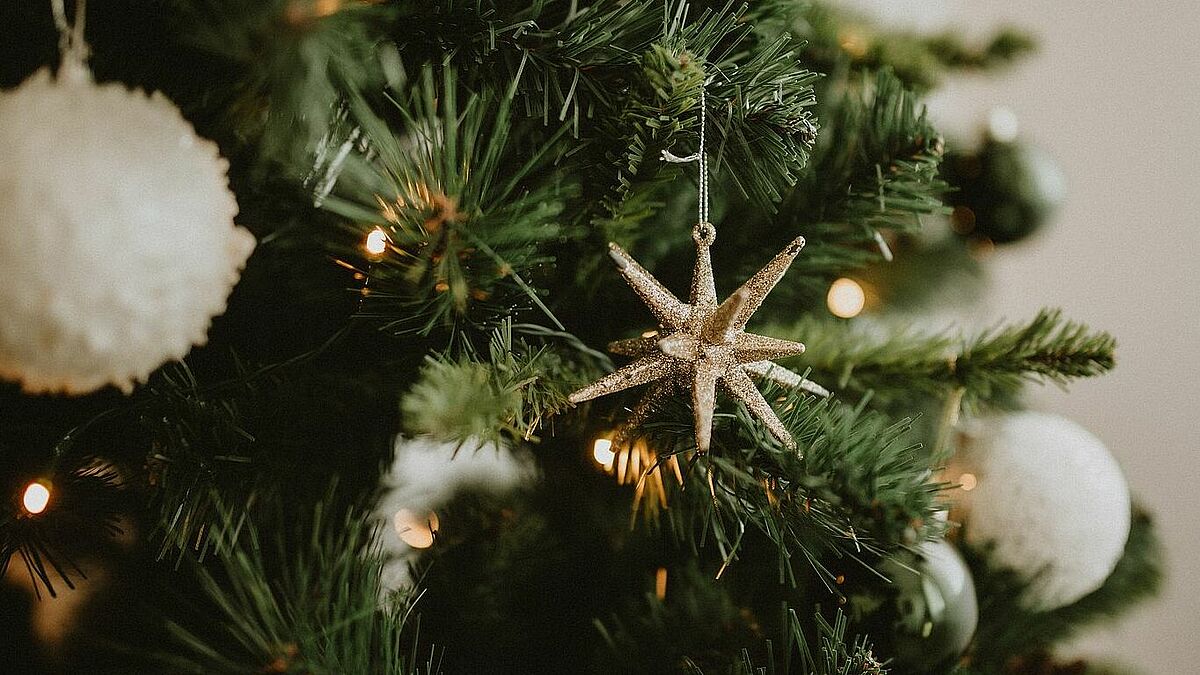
point(1110, 97)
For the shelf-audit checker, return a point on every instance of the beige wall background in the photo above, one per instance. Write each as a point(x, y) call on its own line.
point(1114, 96)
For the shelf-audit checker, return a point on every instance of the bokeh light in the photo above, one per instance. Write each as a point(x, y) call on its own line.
point(36, 498)
point(377, 241)
point(846, 298)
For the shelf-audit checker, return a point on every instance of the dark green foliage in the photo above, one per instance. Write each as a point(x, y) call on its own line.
point(287, 63)
point(857, 489)
point(834, 655)
point(884, 150)
point(462, 227)
point(695, 634)
point(503, 395)
point(1004, 191)
point(202, 456)
point(874, 170)
point(696, 627)
point(86, 497)
point(307, 598)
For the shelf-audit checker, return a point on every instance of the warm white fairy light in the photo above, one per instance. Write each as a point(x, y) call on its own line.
point(660, 583)
point(846, 298)
point(377, 241)
point(603, 453)
point(968, 481)
point(418, 531)
point(36, 498)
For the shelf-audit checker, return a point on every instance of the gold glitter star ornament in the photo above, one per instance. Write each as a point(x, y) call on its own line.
point(701, 344)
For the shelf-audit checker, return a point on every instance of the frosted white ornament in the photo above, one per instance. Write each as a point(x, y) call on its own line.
point(117, 241)
point(1050, 498)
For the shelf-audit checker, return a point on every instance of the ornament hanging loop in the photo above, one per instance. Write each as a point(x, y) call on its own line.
point(700, 157)
point(71, 45)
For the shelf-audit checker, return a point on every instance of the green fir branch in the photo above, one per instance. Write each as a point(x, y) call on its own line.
point(201, 460)
point(288, 65)
point(503, 395)
point(991, 367)
point(874, 171)
point(835, 655)
point(86, 500)
point(876, 167)
point(464, 217)
point(300, 595)
point(699, 628)
point(857, 488)
point(841, 40)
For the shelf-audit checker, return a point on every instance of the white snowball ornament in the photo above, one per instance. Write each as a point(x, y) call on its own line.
point(117, 241)
point(1051, 500)
point(426, 475)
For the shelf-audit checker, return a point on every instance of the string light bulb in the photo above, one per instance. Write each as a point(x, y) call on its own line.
point(603, 453)
point(968, 481)
point(36, 498)
point(415, 530)
point(377, 241)
point(846, 298)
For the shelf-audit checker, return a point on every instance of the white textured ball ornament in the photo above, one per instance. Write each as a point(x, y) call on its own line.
point(117, 241)
point(1051, 500)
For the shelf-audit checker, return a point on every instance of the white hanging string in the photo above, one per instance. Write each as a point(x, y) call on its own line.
point(700, 156)
point(70, 38)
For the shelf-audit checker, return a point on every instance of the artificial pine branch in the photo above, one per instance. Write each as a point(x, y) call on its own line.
point(873, 172)
point(840, 40)
point(858, 488)
point(463, 215)
point(87, 500)
point(876, 167)
point(301, 595)
point(504, 395)
point(286, 67)
point(991, 367)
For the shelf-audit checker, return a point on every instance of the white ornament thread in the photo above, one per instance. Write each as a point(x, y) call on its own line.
point(763, 369)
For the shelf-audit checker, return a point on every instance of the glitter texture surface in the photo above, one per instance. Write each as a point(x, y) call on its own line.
point(701, 344)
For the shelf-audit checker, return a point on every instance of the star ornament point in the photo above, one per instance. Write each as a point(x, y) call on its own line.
point(701, 344)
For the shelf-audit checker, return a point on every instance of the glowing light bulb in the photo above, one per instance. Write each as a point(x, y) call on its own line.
point(377, 241)
point(36, 498)
point(660, 583)
point(846, 298)
point(418, 531)
point(968, 481)
point(603, 453)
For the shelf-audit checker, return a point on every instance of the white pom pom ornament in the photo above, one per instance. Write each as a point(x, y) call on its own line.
point(117, 241)
point(1050, 499)
point(427, 474)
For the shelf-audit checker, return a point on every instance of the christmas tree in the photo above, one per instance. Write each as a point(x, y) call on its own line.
point(554, 336)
